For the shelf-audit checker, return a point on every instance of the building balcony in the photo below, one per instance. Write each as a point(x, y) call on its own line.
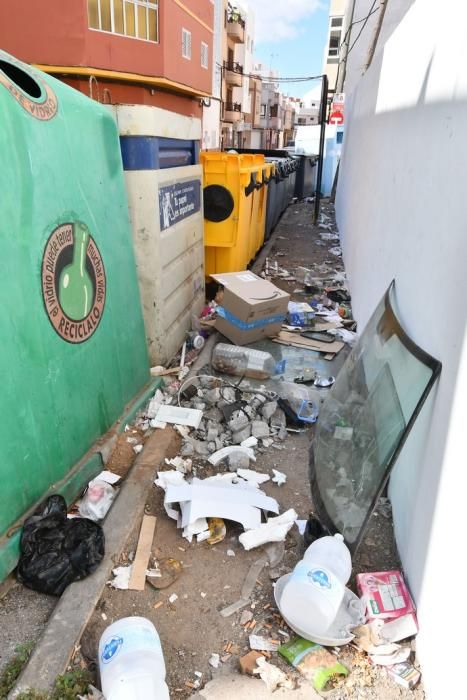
point(233, 74)
point(275, 123)
point(236, 29)
point(232, 112)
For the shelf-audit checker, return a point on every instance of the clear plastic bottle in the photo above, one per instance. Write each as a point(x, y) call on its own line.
point(245, 362)
point(131, 661)
point(313, 594)
point(303, 400)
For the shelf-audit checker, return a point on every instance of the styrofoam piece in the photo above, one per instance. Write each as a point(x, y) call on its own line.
point(226, 451)
point(249, 442)
point(275, 530)
point(198, 527)
point(219, 499)
point(397, 657)
point(253, 477)
point(122, 577)
point(108, 477)
point(179, 416)
point(351, 614)
point(279, 478)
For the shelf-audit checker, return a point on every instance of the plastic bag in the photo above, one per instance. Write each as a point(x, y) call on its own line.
point(55, 550)
point(97, 500)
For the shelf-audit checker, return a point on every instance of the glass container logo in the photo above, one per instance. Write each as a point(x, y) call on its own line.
point(73, 282)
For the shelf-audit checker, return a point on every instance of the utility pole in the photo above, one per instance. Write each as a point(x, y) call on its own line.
point(322, 134)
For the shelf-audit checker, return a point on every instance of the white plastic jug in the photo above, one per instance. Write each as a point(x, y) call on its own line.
point(332, 553)
point(131, 661)
point(315, 590)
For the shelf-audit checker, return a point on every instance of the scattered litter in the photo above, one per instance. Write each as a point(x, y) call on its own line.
point(108, 477)
point(324, 382)
point(249, 442)
point(404, 674)
point(97, 500)
point(180, 416)
point(104, 616)
point(245, 617)
point(239, 502)
point(122, 577)
point(247, 588)
point(92, 694)
point(259, 643)
point(169, 570)
point(203, 595)
point(252, 477)
point(248, 662)
point(301, 524)
point(215, 660)
point(279, 478)
point(173, 597)
point(385, 594)
point(181, 465)
point(137, 449)
point(158, 605)
point(272, 676)
point(132, 440)
point(230, 553)
point(275, 530)
point(337, 251)
point(396, 657)
point(313, 661)
point(217, 530)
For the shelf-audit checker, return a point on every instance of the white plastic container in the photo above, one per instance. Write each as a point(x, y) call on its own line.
point(131, 661)
point(330, 551)
point(315, 590)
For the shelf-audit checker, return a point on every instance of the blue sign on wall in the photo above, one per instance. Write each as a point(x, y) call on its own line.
point(177, 202)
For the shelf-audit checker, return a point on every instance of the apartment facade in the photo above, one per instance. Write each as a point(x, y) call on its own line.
point(119, 51)
point(337, 11)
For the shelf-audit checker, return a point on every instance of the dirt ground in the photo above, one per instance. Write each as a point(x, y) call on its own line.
point(191, 628)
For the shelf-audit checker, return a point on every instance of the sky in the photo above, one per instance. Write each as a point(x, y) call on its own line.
point(290, 37)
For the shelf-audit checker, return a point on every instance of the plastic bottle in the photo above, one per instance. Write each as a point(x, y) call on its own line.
point(301, 399)
point(314, 592)
point(245, 362)
point(131, 661)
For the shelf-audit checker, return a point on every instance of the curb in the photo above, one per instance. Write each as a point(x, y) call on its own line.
point(53, 652)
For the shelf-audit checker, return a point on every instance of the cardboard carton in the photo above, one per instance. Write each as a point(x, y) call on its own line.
point(253, 308)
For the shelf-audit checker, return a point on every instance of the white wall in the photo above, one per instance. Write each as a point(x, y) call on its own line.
point(211, 115)
point(402, 213)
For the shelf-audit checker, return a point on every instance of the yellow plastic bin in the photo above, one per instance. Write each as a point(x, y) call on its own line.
point(231, 209)
point(263, 197)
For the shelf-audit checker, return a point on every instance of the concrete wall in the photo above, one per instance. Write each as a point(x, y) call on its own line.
point(402, 210)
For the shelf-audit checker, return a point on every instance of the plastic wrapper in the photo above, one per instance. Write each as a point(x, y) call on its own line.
point(97, 500)
point(55, 550)
point(313, 661)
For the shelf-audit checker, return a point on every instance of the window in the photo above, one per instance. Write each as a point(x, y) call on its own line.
point(336, 21)
point(186, 43)
point(334, 44)
point(263, 111)
point(133, 18)
point(204, 55)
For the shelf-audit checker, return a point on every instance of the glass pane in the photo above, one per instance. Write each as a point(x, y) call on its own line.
point(106, 22)
point(118, 17)
point(362, 422)
point(130, 19)
point(152, 23)
point(93, 14)
point(142, 23)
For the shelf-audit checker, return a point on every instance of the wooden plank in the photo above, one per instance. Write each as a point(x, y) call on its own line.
point(143, 552)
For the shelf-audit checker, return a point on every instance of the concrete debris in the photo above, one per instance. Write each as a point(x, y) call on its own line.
point(220, 455)
point(268, 409)
point(250, 442)
point(259, 429)
point(238, 460)
point(181, 465)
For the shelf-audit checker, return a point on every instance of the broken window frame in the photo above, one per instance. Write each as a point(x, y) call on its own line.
point(319, 506)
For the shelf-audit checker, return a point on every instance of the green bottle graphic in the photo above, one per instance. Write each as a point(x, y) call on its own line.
point(75, 289)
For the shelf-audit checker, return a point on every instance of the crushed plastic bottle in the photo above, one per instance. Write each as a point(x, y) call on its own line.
point(245, 362)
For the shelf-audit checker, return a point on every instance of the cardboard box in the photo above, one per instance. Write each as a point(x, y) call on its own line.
point(253, 308)
point(385, 594)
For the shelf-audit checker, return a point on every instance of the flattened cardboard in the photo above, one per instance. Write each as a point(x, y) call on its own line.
point(287, 338)
point(250, 299)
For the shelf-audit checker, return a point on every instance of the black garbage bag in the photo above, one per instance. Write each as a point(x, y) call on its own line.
point(56, 550)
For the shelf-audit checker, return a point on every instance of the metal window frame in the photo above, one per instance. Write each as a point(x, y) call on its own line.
point(186, 34)
point(147, 4)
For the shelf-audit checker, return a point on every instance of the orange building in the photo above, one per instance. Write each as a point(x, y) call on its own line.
point(153, 52)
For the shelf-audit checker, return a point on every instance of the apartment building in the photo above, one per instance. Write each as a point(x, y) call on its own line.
point(337, 11)
point(119, 51)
